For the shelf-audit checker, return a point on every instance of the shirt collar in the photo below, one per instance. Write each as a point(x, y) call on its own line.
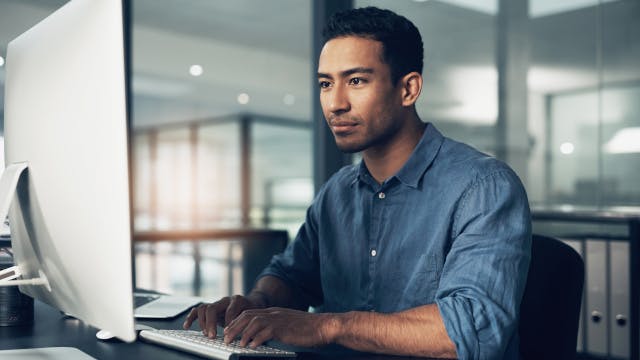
point(421, 158)
point(361, 174)
point(423, 155)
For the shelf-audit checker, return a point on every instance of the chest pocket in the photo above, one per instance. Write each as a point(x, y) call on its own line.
point(422, 285)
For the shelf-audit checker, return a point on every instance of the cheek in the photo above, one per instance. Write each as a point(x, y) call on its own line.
point(369, 108)
point(377, 112)
point(323, 104)
point(326, 113)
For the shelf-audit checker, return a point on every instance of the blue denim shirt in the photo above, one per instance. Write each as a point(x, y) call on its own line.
point(452, 227)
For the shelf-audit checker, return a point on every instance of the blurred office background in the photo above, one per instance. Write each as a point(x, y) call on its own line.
point(225, 118)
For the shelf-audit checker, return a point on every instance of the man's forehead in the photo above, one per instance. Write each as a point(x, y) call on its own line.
point(344, 53)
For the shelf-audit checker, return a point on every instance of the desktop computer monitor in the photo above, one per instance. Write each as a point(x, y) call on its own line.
point(66, 123)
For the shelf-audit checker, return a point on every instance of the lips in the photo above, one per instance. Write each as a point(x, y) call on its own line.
point(342, 126)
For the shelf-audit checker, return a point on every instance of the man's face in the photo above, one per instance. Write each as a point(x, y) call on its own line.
point(358, 99)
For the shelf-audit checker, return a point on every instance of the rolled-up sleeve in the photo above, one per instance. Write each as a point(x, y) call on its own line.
point(485, 271)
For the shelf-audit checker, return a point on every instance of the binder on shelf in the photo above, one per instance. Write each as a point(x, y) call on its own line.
point(596, 308)
point(577, 246)
point(619, 292)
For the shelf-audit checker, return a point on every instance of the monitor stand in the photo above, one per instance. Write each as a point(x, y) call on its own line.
point(8, 184)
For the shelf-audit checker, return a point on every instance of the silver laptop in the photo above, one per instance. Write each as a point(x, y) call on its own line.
point(154, 306)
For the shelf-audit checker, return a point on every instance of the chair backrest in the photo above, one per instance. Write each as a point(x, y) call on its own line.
point(550, 308)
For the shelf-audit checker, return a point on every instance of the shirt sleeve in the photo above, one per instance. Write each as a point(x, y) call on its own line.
point(485, 271)
point(298, 266)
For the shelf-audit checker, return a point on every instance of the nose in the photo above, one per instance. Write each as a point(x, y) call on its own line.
point(337, 100)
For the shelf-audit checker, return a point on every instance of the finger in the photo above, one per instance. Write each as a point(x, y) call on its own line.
point(222, 306)
point(261, 337)
point(193, 314)
point(208, 314)
point(236, 327)
point(212, 320)
point(255, 325)
point(202, 317)
point(243, 318)
point(236, 306)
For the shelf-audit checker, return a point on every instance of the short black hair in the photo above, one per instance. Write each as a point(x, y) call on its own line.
point(401, 40)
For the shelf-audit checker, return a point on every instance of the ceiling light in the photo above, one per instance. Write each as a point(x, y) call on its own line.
point(243, 98)
point(567, 148)
point(289, 99)
point(1, 61)
point(624, 141)
point(196, 70)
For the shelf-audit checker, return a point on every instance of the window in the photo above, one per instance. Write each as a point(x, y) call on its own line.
point(221, 118)
point(569, 78)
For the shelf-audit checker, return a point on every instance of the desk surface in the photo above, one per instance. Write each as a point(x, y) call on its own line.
point(52, 329)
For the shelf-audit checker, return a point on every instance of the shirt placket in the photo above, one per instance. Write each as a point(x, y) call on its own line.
point(377, 210)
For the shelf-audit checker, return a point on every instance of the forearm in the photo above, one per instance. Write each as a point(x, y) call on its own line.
point(415, 332)
point(271, 291)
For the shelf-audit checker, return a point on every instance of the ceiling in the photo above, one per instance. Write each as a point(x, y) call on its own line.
point(251, 23)
point(257, 48)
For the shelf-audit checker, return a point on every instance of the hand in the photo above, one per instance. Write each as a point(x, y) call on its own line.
point(220, 312)
point(289, 326)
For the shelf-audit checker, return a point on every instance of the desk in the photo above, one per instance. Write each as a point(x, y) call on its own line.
point(53, 329)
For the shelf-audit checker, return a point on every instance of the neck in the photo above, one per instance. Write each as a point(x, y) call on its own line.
point(384, 161)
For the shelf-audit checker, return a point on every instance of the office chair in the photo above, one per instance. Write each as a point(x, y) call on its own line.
point(550, 308)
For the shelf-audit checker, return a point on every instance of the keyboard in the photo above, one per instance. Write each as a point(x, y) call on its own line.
point(196, 343)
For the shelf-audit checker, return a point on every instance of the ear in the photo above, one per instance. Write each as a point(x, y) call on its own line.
point(411, 88)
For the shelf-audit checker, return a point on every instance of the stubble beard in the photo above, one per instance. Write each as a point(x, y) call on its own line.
point(346, 147)
point(369, 141)
point(350, 148)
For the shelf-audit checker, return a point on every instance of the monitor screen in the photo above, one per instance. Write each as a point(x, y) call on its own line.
point(66, 120)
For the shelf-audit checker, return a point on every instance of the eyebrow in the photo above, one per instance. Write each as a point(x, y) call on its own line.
point(345, 73)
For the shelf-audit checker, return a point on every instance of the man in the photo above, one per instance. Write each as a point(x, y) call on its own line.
point(421, 250)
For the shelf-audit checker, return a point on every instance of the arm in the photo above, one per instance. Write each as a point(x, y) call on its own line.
point(484, 276)
point(415, 332)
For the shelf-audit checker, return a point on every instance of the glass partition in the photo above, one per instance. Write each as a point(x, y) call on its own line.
point(569, 133)
point(221, 112)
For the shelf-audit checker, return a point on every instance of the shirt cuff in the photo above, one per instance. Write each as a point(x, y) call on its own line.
point(457, 315)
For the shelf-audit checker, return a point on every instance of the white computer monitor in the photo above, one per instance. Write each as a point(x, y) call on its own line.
point(66, 123)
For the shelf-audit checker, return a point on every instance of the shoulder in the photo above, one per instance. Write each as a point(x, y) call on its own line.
point(463, 162)
point(488, 189)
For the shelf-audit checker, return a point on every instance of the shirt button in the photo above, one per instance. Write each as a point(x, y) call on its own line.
point(381, 195)
point(374, 252)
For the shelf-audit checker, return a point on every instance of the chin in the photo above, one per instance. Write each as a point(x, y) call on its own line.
point(350, 148)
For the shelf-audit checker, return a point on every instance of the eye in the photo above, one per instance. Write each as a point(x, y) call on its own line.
point(356, 81)
point(324, 84)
